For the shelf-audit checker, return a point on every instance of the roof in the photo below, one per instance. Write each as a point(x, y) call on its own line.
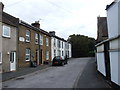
point(108, 6)
point(34, 28)
point(59, 38)
point(9, 19)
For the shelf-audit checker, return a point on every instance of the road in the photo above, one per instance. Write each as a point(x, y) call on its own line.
point(52, 77)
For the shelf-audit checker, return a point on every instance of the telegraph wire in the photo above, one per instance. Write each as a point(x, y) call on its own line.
point(14, 3)
point(58, 6)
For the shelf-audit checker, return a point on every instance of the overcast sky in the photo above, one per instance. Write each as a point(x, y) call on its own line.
point(66, 17)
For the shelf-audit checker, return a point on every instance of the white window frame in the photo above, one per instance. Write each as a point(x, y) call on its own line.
point(27, 36)
point(41, 39)
point(9, 29)
point(47, 42)
point(27, 54)
point(54, 52)
point(47, 55)
point(62, 53)
point(36, 38)
point(0, 57)
point(54, 42)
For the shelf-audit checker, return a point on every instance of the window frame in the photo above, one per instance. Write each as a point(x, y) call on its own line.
point(27, 36)
point(62, 53)
point(9, 29)
point(41, 39)
point(47, 42)
point(47, 55)
point(54, 42)
point(28, 54)
point(0, 57)
point(54, 52)
point(36, 38)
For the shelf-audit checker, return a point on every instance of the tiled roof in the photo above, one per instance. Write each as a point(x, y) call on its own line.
point(9, 19)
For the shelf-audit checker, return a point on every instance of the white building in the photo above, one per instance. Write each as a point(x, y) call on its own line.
point(113, 18)
point(108, 51)
point(59, 47)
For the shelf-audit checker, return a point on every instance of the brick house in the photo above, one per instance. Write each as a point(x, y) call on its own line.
point(45, 44)
point(34, 44)
point(28, 45)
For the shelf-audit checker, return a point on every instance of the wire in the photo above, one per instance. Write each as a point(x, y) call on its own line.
point(14, 3)
point(58, 6)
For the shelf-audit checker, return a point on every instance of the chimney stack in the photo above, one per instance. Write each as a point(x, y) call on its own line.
point(1, 6)
point(52, 33)
point(36, 24)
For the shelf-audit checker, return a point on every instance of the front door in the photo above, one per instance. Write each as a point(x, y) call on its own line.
point(13, 61)
point(41, 55)
point(37, 56)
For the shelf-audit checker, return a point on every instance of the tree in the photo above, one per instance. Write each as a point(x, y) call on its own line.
point(82, 46)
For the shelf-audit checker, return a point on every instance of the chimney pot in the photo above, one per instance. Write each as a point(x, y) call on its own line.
point(52, 33)
point(36, 24)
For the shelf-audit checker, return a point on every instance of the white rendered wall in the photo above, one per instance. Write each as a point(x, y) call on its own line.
point(101, 59)
point(101, 63)
point(112, 19)
point(115, 67)
point(70, 51)
point(115, 60)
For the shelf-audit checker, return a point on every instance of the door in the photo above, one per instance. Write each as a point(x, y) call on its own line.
point(41, 56)
point(107, 60)
point(37, 56)
point(13, 61)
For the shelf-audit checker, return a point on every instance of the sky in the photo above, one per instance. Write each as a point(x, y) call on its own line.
point(65, 17)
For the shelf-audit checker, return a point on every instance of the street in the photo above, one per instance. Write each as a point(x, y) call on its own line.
point(78, 73)
point(52, 77)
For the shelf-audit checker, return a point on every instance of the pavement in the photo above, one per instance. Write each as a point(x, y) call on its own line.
point(89, 78)
point(22, 71)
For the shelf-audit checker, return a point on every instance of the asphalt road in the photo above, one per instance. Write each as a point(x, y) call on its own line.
point(52, 77)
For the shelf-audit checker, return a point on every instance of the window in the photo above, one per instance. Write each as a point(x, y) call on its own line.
point(54, 53)
point(62, 53)
point(47, 55)
point(36, 38)
point(59, 53)
point(47, 43)
point(54, 42)
point(27, 36)
point(41, 40)
point(58, 43)
point(12, 56)
point(62, 44)
point(0, 57)
point(27, 58)
point(6, 31)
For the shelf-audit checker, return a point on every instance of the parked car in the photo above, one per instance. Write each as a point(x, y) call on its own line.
point(58, 60)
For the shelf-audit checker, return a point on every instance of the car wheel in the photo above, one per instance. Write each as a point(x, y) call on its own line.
point(62, 64)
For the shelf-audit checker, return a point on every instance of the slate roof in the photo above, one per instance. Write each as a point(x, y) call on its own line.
point(108, 6)
point(59, 38)
point(10, 20)
point(34, 28)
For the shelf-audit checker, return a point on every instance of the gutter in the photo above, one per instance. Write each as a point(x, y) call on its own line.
point(107, 40)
